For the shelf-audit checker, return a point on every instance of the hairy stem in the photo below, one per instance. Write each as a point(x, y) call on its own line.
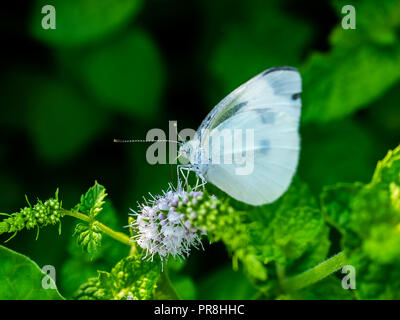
point(119, 236)
point(315, 274)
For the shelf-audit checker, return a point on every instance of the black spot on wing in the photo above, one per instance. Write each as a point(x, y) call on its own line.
point(270, 70)
point(295, 96)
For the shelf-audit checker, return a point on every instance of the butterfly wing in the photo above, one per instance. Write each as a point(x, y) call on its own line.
point(269, 106)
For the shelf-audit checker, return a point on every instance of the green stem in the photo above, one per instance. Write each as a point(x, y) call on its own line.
point(77, 215)
point(119, 236)
point(280, 274)
point(315, 274)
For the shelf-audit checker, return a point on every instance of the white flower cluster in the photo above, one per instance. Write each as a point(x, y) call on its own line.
point(162, 228)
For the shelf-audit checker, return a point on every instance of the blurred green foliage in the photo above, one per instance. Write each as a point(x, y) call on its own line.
point(368, 216)
point(117, 68)
point(81, 22)
point(130, 279)
point(122, 65)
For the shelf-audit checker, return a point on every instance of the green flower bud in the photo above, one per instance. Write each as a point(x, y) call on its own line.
point(40, 215)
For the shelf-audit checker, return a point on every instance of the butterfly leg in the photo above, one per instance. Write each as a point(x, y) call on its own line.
point(203, 182)
point(179, 173)
point(188, 169)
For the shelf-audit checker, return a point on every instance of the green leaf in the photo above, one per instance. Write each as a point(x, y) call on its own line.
point(93, 200)
point(285, 230)
point(375, 280)
point(294, 229)
point(21, 278)
point(88, 236)
point(316, 251)
point(368, 216)
point(361, 66)
point(335, 201)
point(343, 81)
point(287, 234)
point(388, 170)
point(130, 279)
point(79, 267)
point(79, 22)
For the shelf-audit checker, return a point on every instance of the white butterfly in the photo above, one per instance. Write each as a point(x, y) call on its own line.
point(268, 108)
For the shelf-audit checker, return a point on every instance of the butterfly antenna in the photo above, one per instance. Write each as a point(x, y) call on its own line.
point(142, 140)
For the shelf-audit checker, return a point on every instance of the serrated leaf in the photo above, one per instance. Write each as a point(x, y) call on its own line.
point(79, 267)
point(369, 219)
point(284, 230)
point(388, 170)
point(375, 280)
point(131, 278)
point(336, 200)
point(21, 278)
point(92, 202)
point(317, 250)
point(88, 236)
point(294, 229)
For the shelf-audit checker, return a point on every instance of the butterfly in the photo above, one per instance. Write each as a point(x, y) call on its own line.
point(267, 108)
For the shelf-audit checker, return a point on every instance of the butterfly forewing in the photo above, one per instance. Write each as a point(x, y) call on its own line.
point(268, 105)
